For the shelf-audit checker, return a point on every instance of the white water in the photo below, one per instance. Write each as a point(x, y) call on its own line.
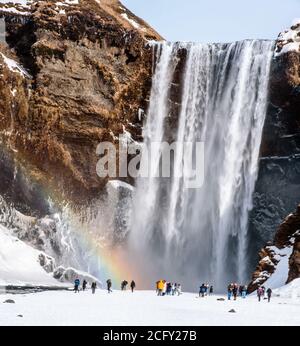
point(193, 235)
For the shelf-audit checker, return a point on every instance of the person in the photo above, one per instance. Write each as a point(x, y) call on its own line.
point(211, 290)
point(132, 286)
point(160, 287)
point(244, 291)
point(241, 290)
point(202, 290)
point(269, 293)
point(123, 285)
point(164, 291)
point(94, 286)
point(179, 289)
point(109, 284)
point(206, 289)
point(260, 293)
point(84, 284)
point(235, 291)
point(157, 287)
point(76, 285)
point(169, 288)
point(173, 289)
point(229, 291)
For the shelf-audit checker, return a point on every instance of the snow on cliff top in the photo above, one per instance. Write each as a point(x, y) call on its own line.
point(21, 7)
point(289, 40)
point(19, 263)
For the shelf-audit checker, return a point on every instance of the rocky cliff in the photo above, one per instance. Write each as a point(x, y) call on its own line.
point(278, 186)
point(72, 74)
point(282, 255)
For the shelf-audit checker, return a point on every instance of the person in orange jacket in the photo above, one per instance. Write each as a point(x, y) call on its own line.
point(160, 287)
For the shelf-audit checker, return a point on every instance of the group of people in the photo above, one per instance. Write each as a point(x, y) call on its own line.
point(167, 288)
point(124, 284)
point(234, 290)
point(84, 286)
point(262, 293)
point(205, 289)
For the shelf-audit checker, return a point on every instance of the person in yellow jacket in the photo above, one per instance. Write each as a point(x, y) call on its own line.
point(160, 287)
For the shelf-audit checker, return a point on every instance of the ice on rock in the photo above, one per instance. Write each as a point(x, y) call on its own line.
point(14, 66)
point(131, 21)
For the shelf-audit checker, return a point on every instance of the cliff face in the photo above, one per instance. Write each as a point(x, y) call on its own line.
point(284, 248)
point(278, 186)
point(72, 74)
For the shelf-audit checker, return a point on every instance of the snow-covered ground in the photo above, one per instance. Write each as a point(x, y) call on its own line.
point(19, 263)
point(144, 308)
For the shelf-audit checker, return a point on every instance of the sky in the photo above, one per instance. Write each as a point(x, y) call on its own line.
point(216, 20)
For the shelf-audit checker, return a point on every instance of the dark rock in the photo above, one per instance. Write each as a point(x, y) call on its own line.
point(278, 185)
point(9, 301)
point(232, 311)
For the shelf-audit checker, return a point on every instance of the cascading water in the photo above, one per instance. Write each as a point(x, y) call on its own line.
point(195, 235)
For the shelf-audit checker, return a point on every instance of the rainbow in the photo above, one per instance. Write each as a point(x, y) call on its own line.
point(108, 262)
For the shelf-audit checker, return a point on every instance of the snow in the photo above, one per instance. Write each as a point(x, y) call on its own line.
point(131, 21)
point(72, 2)
point(296, 21)
point(19, 263)
point(289, 47)
point(70, 274)
point(279, 277)
point(289, 40)
point(14, 92)
point(14, 66)
point(67, 3)
point(116, 184)
point(22, 4)
point(62, 308)
point(13, 10)
point(291, 290)
point(16, 2)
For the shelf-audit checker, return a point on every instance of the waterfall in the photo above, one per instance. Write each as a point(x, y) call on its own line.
point(198, 235)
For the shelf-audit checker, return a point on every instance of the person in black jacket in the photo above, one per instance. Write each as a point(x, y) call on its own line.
point(94, 286)
point(132, 286)
point(269, 294)
point(109, 284)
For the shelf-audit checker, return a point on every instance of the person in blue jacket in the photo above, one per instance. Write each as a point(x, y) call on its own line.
point(202, 290)
point(76, 285)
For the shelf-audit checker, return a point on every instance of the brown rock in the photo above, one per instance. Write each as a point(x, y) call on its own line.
point(91, 72)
